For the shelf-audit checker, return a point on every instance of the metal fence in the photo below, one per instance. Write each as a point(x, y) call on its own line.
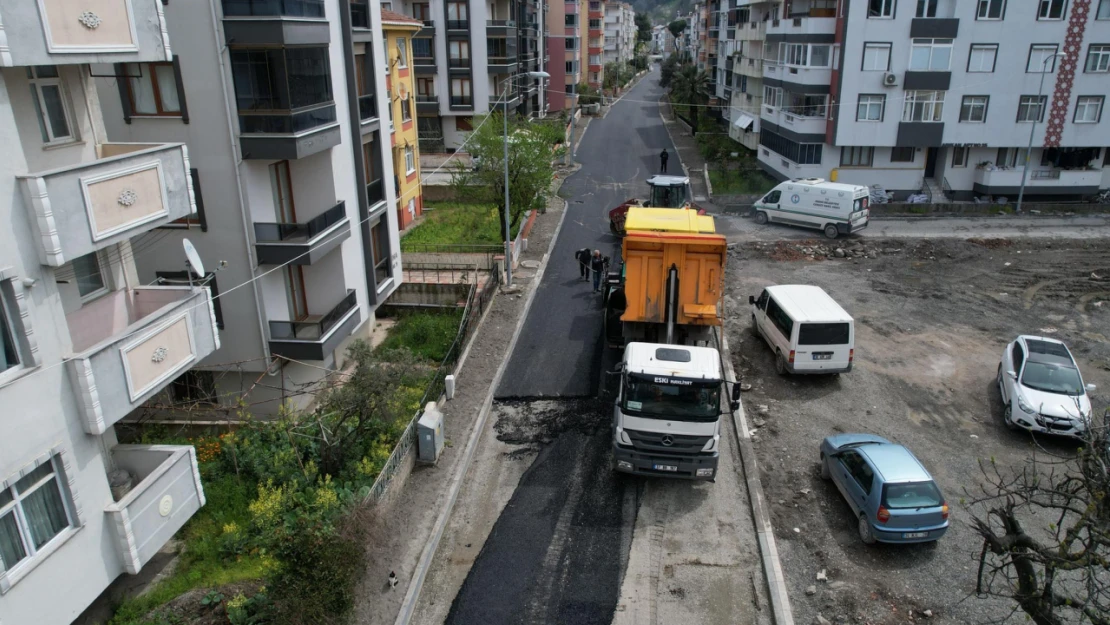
point(441, 273)
point(477, 302)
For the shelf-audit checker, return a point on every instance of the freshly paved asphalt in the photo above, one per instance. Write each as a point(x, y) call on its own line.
point(559, 351)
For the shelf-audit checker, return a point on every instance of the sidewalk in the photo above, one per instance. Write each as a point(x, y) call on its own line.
point(404, 521)
point(692, 162)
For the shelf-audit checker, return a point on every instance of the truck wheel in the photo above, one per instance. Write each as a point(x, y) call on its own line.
point(613, 228)
point(780, 364)
point(760, 217)
point(831, 231)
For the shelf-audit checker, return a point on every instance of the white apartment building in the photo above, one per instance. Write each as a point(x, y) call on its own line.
point(620, 32)
point(85, 336)
point(747, 29)
point(939, 96)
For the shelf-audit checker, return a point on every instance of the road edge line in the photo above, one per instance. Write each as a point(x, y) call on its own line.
point(416, 584)
point(772, 566)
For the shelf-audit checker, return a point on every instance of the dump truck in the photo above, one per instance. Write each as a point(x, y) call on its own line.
point(661, 307)
point(663, 192)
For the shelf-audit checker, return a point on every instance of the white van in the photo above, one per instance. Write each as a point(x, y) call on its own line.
point(814, 203)
point(807, 330)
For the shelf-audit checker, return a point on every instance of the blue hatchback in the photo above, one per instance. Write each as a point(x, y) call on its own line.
point(892, 495)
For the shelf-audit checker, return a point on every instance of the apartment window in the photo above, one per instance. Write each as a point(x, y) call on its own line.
point(406, 107)
point(281, 79)
point(379, 240)
point(1088, 109)
point(1042, 58)
point(572, 43)
point(295, 292)
point(460, 51)
point(990, 9)
point(368, 158)
point(51, 104)
point(857, 156)
point(595, 24)
point(1051, 9)
point(801, 153)
point(32, 513)
point(410, 160)
point(281, 185)
point(422, 11)
point(743, 84)
point(460, 91)
point(880, 8)
point(1103, 10)
point(902, 155)
point(1031, 108)
point(87, 272)
point(772, 96)
point(926, 8)
point(456, 12)
point(422, 48)
point(9, 349)
point(804, 55)
point(806, 105)
point(571, 19)
point(426, 87)
point(195, 387)
point(981, 58)
point(870, 108)
point(931, 55)
point(402, 52)
point(974, 108)
point(152, 89)
point(1098, 58)
point(923, 106)
point(572, 67)
point(959, 157)
point(1010, 157)
point(876, 57)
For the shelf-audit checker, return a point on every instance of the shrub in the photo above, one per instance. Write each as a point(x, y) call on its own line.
point(320, 568)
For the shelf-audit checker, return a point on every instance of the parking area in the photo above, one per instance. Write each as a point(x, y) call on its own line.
point(932, 319)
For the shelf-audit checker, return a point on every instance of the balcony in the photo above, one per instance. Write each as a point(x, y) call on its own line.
point(462, 101)
point(131, 343)
point(165, 493)
point(302, 243)
point(748, 66)
point(803, 26)
point(280, 22)
point(374, 192)
point(495, 103)
point(131, 189)
point(501, 64)
point(798, 74)
point(316, 337)
point(798, 123)
point(751, 31)
point(427, 104)
point(288, 134)
point(500, 28)
point(458, 24)
point(458, 63)
point(49, 32)
point(1038, 182)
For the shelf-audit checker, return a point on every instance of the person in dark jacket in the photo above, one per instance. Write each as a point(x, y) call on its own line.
point(663, 156)
point(582, 257)
point(598, 264)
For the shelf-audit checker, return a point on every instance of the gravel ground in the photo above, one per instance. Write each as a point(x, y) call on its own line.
point(932, 318)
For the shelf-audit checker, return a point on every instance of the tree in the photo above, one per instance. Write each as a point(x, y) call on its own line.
point(643, 28)
point(530, 168)
point(690, 88)
point(676, 27)
point(588, 95)
point(667, 70)
point(1046, 533)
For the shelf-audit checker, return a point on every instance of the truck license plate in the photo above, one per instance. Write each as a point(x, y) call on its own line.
point(664, 467)
point(915, 534)
point(822, 356)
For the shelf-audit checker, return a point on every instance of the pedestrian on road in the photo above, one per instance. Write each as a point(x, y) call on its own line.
point(663, 156)
point(597, 264)
point(582, 257)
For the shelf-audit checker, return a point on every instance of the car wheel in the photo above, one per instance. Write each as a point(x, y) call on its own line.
point(825, 474)
point(760, 217)
point(865, 533)
point(831, 231)
point(1008, 416)
point(755, 326)
point(780, 364)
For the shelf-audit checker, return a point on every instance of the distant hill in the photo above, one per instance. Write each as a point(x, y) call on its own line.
point(662, 11)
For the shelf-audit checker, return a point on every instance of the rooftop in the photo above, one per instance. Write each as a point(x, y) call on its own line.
point(808, 303)
point(389, 17)
point(895, 463)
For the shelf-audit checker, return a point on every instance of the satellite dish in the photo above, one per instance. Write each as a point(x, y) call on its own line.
point(192, 259)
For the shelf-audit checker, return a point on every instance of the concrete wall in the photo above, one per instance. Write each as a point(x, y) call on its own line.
point(429, 294)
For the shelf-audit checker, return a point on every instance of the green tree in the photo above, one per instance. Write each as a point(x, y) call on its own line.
point(588, 95)
point(667, 70)
point(530, 168)
point(690, 88)
point(676, 27)
point(643, 28)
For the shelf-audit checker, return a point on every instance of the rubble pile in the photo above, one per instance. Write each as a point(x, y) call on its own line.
point(822, 250)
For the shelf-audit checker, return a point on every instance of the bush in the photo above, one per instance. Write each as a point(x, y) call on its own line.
point(320, 569)
point(428, 335)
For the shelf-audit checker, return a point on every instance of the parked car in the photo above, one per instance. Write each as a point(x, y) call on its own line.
point(893, 497)
point(1042, 389)
point(808, 331)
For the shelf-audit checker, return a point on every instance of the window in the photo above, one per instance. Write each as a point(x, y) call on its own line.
point(743, 84)
point(572, 67)
point(32, 513)
point(779, 317)
point(410, 160)
point(870, 108)
point(990, 9)
point(460, 91)
point(379, 240)
point(931, 55)
point(923, 106)
point(959, 157)
point(51, 104)
point(1042, 58)
point(901, 155)
point(857, 156)
point(974, 108)
point(1103, 10)
point(859, 470)
point(1098, 58)
point(982, 57)
point(1088, 109)
point(456, 12)
point(926, 8)
point(571, 19)
point(406, 108)
point(595, 24)
point(1051, 10)
point(88, 275)
point(1010, 157)
point(801, 54)
point(152, 89)
point(572, 43)
point(1031, 108)
point(876, 57)
point(426, 87)
point(281, 79)
point(801, 153)
point(422, 11)
point(9, 349)
point(422, 49)
point(460, 52)
point(880, 8)
point(195, 387)
point(772, 96)
point(806, 105)
point(402, 52)
point(281, 184)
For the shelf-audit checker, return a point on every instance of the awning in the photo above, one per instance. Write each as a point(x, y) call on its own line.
point(743, 121)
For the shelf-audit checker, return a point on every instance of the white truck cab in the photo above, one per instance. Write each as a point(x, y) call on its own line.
point(666, 419)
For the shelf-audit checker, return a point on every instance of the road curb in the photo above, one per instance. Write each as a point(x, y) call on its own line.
point(761, 516)
point(416, 584)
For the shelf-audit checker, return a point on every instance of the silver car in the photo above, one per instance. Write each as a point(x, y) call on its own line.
point(1042, 389)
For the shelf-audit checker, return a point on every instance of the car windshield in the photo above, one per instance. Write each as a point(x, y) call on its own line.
point(911, 495)
point(823, 334)
point(1052, 378)
point(695, 402)
point(668, 197)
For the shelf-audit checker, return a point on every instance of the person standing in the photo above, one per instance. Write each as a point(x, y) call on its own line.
point(582, 257)
point(597, 265)
point(663, 156)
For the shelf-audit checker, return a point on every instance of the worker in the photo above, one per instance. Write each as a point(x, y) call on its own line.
point(597, 265)
point(663, 156)
point(582, 257)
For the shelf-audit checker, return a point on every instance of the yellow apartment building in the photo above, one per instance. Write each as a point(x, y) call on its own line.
point(398, 31)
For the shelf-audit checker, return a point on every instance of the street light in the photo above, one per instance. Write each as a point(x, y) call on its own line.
point(505, 119)
point(1033, 126)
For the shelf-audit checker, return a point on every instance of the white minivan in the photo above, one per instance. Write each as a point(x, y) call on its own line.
point(815, 203)
point(805, 328)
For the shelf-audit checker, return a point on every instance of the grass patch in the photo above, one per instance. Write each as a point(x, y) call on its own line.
point(456, 224)
point(751, 182)
point(428, 335)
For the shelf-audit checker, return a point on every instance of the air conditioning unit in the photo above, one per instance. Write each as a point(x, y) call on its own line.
point(890, 79)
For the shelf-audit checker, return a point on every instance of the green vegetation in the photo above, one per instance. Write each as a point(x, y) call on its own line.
point(428, 335)
point(455, 224)
point(739, 182)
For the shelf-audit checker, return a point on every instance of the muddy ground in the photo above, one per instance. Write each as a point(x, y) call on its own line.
point(932, 318)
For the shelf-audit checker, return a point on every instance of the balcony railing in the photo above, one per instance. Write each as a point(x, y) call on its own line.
point(317, 337)
point(458, 24)
point(274, 8)
point(367, 107)
point(462, 100)
point(313, 330)
point(286, 122)
point(374, 192)
point(502, 23)
point(456, 63)
point(300, 232)
point(302, 243)
point(1059, 181)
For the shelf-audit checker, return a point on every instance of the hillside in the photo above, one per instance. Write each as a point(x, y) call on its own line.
point(662, 11)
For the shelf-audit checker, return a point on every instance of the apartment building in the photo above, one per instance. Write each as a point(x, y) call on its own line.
point(85, 337)
point(469, 60)
point(554, 47)
point(746, 33)
point(620, 32)
point(595, 69)
point(940, 96)
point(401, 90)
point(284, 108)
point(575, 21)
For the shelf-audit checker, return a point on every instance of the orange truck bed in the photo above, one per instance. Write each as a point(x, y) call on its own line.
point(700, 259)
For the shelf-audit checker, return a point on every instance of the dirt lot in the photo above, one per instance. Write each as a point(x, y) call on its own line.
point(932, 318)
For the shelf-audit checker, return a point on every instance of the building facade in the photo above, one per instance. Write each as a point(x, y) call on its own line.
point(595, 68)
point(747, 32)
point(401, 87)
point(574, 48)
point(554, 47)
point(620, 32)
point(939, 98)
point(85, 336)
